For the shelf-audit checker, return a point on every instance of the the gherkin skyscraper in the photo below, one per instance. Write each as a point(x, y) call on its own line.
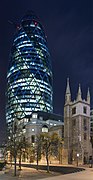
point(29, 77)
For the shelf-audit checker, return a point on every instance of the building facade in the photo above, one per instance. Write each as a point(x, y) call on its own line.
point(41, 122)
point(29, 77)
point(77, 127)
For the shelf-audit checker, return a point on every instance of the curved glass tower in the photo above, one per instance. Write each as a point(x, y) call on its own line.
point(29, 77)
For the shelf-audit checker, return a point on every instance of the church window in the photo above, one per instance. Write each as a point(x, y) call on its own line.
point(85, 124)
point(74, 110)
point(84, 109)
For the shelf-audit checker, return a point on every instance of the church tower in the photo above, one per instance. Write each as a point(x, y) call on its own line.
point(77, 127)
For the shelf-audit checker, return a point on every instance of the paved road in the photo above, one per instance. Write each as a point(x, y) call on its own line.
point(84, 175)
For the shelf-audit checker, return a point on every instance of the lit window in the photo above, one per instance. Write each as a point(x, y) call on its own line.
point(34, 115)
point(44, 128)
point(54, 124)
point(34, 122)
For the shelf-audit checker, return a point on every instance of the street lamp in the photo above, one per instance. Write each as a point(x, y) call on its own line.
point(77, 158)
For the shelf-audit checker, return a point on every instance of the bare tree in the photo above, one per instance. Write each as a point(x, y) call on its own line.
point(49, 145)
point(16, 143)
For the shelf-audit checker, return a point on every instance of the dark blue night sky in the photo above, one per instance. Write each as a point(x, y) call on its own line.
point(69, 28)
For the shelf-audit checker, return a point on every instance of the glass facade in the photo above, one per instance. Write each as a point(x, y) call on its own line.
point(29, 77)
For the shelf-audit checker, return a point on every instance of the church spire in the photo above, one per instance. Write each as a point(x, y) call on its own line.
point(88, 96)
point(79, 98)
point(68, 93)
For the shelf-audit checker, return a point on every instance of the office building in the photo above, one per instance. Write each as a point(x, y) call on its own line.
point(29, 77)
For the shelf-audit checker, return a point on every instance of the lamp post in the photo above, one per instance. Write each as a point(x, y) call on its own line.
point(77, 158)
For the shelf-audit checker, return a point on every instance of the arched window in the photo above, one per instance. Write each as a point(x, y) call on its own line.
point(44, 128)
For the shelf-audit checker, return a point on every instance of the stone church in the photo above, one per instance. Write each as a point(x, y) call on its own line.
point(77, 127)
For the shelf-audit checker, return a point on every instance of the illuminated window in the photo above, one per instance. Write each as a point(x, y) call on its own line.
point(44, 128)
point(34, 115)
point(54, 124)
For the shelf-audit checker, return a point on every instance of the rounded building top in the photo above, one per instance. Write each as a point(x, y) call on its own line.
point(30, 15)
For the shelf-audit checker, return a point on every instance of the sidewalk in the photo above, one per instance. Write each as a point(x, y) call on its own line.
point(26, 174)
point(32, 174)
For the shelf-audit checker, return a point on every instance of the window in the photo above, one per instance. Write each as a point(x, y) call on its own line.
point(44, 128)
point(84, 109)
point(33, 130)
point(33, 138)
point(34, 115)
point(85, 124)
point(74, 110)
point(54, 124)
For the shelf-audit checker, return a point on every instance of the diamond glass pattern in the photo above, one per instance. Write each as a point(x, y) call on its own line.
point(29, 77)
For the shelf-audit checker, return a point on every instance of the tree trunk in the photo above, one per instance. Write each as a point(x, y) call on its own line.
point(11, 160)
point(15, 154)
point(37, 161)
point(20, 161)
point(47, 162)
point(15, 165)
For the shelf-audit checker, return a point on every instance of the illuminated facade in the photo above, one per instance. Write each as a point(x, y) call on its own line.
point(29, 77)
point(77, 127)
